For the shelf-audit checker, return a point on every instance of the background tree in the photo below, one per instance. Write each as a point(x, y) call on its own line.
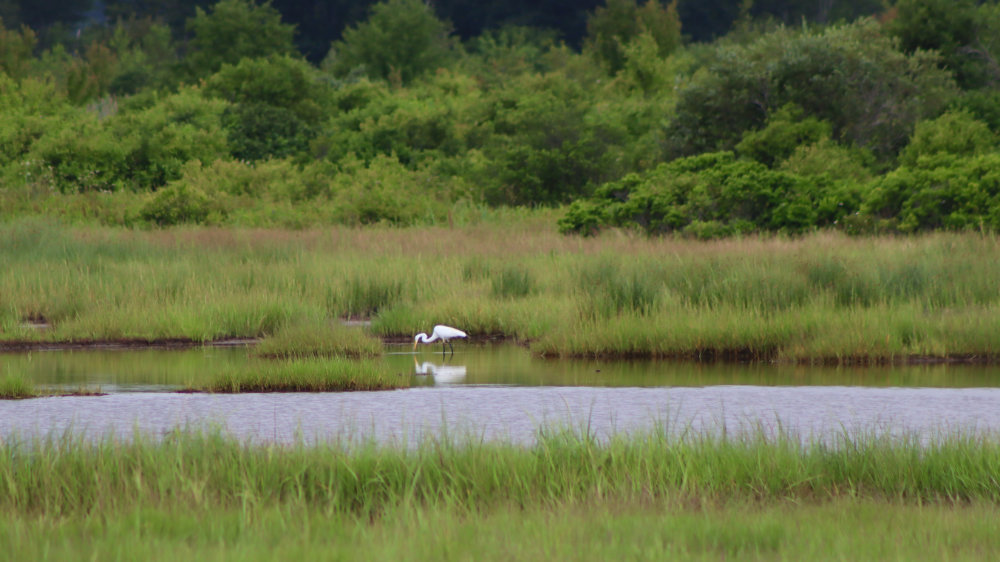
point(945, 26)
point(276, 103)
point(850, 76)
point(619, 22)
point(16, 50)
point(401, 40)
point(233, 30)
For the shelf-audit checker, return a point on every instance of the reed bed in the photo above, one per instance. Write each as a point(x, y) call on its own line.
point(823, 297)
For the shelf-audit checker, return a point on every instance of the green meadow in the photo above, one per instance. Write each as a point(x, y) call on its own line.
point(823, 297)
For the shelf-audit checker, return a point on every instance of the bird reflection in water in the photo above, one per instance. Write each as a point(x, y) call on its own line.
point(443, 374)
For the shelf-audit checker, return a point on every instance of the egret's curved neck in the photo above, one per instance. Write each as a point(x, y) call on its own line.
point(422, 338)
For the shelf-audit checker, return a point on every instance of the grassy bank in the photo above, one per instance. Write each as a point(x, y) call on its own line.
point(825, 297)
point(305, 375)
point(568, 497)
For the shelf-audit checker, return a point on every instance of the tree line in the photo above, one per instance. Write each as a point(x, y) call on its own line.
point(786, 116)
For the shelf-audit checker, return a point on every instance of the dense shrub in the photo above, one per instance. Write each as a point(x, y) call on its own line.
point(704, 196)
point(944, 191)
point(850, 76)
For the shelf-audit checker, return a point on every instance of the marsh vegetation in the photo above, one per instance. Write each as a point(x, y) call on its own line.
point(824, 297)
point(705, 497)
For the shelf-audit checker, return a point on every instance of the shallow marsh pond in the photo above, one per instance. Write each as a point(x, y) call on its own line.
point(502, 392)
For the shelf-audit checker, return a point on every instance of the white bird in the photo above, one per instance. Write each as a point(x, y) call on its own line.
point(441, 332)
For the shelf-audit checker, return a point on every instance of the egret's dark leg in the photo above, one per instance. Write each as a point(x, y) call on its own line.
point(451, 347)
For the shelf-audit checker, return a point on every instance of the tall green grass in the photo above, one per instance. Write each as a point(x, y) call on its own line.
point(305, 375)
point(824, 297)
point(846, 529)
point(15, 386)
point(62, 475)
point(320, 339)
point(570, 496)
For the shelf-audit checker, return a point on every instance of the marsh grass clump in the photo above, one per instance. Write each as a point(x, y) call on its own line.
point(318, 339)
point(512, 282)
point(305, 375)
point(366, 296)
point(610, 288)
point(15, 386)
point(476, 269)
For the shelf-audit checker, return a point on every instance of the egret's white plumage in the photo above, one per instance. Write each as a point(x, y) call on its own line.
point(440, 332)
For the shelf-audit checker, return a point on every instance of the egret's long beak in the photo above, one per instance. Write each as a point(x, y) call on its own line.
point(414, 346)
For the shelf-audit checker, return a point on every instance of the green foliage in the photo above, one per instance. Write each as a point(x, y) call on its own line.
point(984, 105)
point(705, 196)
point(850, 76)
point(612, 27)
point(16, 50)
point(257, 131)
point(549, 144)
point(147, 57)
point(81, 155)
point(400, 40)
point(425, 123)
point(583, 216)
point(275, 80)
point(386, 191)
point(234, 30)
point(956, 133)
point(174, 131)
point(498, 54)
point(946, 26)
point(786, 131)
point(90, 76)
point(943, 192)
point(91, 125)
point(138, 149)
point(178, 203)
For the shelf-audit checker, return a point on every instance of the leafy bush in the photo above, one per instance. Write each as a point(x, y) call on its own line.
point(276, 103)
point(549, 146)
point(955, 132)
point(786, 130)
point(176, 204)
point(386, 191)
point(706, 196)
point(945, 192)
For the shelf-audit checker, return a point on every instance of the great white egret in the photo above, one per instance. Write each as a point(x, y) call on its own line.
point(440, 332)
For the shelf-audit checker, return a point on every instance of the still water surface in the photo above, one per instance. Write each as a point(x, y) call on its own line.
point(502, 392)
